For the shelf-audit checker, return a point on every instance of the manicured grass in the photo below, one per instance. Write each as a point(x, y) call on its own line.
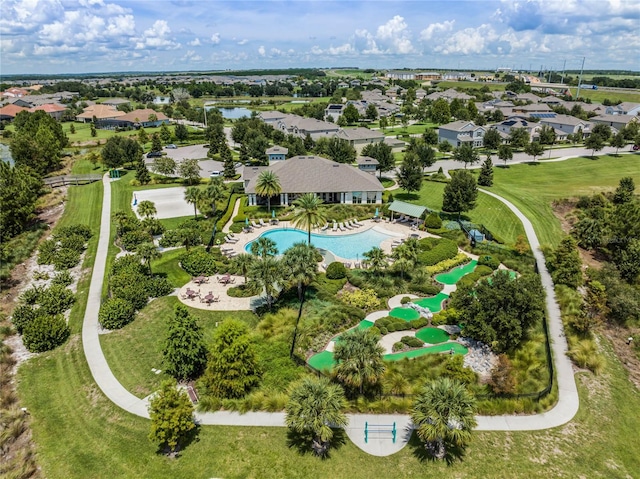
point(322, 361)
point(173, 223)
point(168, 265)
point(533, 188)
point(432, 335)
point(406, 314)
point(83, 132)
point(434, 303)
point(133, 350)
point(490, 212)
point(416, 128)
point(437, 349)
point(453, 276)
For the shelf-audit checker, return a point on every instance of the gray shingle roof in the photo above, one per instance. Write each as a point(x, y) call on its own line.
point(303, 174)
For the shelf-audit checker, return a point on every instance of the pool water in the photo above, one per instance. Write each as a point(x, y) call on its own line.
point(350, 246)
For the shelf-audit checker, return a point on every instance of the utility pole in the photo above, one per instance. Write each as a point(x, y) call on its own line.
point(580, 79)
point(564, 65)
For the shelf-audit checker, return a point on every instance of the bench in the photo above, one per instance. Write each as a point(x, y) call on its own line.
point(192, 394)
point(379, 429)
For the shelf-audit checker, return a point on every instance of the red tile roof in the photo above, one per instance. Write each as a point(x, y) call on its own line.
point(11, 110)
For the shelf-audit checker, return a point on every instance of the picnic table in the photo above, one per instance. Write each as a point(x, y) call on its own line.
point(200, 279)
point(226, 279)
point(210, 298)
point(191, 293)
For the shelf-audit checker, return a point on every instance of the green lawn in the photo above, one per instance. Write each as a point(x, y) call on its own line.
point(416, 128)
point(489, 211)
point(133, 350)
point(168, 265)
point(533, 188)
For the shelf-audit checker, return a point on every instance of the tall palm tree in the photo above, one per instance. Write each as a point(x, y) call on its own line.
point(267, 272)
point(243, 262)
point(192, 195)
point(314, 406)
point(268, 184)
point(147, 208)
point(214, 192)
point(444, 415)
point(147, 252)
point(376, 258)
point(359, 358)
point(300, 268)
point(405, 259)
point(308, 214)
point(264, 247)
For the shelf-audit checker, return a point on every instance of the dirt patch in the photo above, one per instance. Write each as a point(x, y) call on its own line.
point(625, 352)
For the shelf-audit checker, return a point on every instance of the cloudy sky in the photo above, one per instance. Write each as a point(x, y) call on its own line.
point(75, 36)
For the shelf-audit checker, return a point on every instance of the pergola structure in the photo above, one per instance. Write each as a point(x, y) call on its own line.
point(407, 209)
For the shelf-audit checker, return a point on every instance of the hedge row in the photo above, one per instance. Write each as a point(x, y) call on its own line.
point(447, 264)
point(389, 324)
point(63, 250)
point(444, 249)
point(471, 278)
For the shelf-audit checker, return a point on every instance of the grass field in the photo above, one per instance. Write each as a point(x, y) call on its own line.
point(533, 188)
point(489, 211)
point(168, 265)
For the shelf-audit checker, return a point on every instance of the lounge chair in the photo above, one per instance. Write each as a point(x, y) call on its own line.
point(356, 222)
point(231, 235)
point(255, 225)
point(335, 226)
point(233, 254)
point(324, 228)
point(347, 265)
point(230, 240)
point(262, 223)
point(341, 226)
point(347, 225)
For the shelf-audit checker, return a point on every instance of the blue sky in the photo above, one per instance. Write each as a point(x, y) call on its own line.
point(76, 36)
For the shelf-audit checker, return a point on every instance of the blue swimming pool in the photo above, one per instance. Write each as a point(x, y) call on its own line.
point(347, 246)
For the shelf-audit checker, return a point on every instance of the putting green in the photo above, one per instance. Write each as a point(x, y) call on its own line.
point(434, 304)
point(453, 276)
point(364, 324)
point(407, 314)
point(432, 335)
point(322, 361)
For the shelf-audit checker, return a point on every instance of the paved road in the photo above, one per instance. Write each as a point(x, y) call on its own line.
point(563, 412)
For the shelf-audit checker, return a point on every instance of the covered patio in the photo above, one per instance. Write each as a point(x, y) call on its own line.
point(406, 211)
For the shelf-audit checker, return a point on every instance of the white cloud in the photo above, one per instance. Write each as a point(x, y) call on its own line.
point(215, 38)
point(195, 42)
point(157, 38)
point(436, 28)
point(392, 37)
point(244, 41)
point(261, 50)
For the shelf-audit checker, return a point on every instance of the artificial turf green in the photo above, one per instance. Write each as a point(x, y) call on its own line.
point(437, 349)
point(432, 335)
point(453, 276)
point(322, 361)
point(406, 314)
point(434, 303)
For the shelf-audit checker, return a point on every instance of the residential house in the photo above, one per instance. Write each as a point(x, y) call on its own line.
point(615, 121)
point(448, 95)
point(300, 126)
point(334, 110)
point(145, 118)
point(367, 164)
point(19, 102)
point(568, 124)
point(360, 137)
point(277, 153)
point(15, 92)
point(624, 108)
point(532, 108)
point(505, 127)
point(53, 110)
point(9, 112)
point(330, 181)
point(99, 113)
point(461, 131)
point(271, 117)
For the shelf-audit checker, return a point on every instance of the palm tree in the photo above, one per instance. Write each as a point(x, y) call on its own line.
point(376, 258)
point(264, 247)
point(359, 358)
point(444, 415)
point(243, 262)
point(314, 406)
point(215, 191)
point(300, 268)
point(147, 208)
point(308, 213)
point(147, 252)
point(268, 184)
point(193, 195)
point(266, 272)
point(405, 258)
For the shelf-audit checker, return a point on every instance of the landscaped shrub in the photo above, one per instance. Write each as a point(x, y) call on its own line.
point(73, 242)
point(489, 261)
point(405, 300)
point(115, 313)
point(130, 287)
point(152, 226)
point(23, 315)
point(47, 251)
point(198, 262)
point(421, 322)
point(424, 288)
point(433, 221)
point(63, 278)
point(31, 295)
point(158, 286)
point(45, 332)
point(336, 270)
point(399, 346)
point(78, 229)
point(171, 238)
point(128, 263)
point(242, 291)
point(446, 316)
point(448, 264)
point(390, 324)
point(56, 299)
point(131, 239)
point(455, 369)
point(471, 278)
point(412, 341)
point(66, 258)
point(445, 249)
point(362, 298)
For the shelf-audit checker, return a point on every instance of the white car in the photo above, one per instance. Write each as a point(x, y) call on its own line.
point(171, 147)
point(215, 174)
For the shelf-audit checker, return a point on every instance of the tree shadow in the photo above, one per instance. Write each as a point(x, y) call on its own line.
point(192, 436)
point(426, 453)
point(532, 163)
point(407, 196)
point(589, 157)
point(303, 443)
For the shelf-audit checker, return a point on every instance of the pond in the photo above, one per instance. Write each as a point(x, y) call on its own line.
point(233, 113)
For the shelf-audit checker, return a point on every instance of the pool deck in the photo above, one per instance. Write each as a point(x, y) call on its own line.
point(396, 230)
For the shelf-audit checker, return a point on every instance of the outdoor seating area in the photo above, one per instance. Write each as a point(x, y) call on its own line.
point(214, 295)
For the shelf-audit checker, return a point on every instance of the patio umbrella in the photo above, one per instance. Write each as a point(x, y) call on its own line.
point(376, 212)
point(246, 221)
point(273, 213)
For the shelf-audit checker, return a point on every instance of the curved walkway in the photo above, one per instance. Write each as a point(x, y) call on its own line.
point(563, 412)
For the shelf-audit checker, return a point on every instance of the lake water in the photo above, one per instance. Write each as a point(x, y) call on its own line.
point(234, 113)
point(5, 153)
